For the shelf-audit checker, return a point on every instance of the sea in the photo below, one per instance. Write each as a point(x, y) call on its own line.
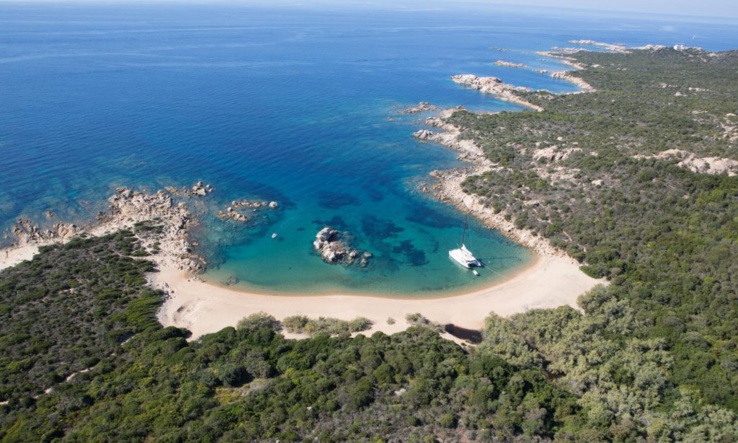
point(298, 104)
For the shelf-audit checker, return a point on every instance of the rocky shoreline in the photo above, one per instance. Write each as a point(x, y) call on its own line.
point(447, 184)
point(168, 240)
point(496, 87)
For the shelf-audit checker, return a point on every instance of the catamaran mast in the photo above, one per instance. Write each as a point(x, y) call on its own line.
point(463, 232)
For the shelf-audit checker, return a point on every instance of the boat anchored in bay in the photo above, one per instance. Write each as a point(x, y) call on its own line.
point(464, 256)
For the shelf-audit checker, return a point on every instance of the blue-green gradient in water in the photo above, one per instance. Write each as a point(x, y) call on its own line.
point(293, 105)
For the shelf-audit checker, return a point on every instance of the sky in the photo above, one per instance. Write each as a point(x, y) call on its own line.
point(695, 8)
point(724, 9)
point(711, 8)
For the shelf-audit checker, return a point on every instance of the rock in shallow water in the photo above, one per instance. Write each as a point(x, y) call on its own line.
point(333, 248)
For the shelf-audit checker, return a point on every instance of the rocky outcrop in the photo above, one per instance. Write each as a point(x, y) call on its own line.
point(334, 247)
point(467, 149)
point(496, 87)
point(554, 153)
point(700, 165)
point(129, 206)
point(424, 134)
point(509, 64)
point(28, 233)
point(200, 189)
point(128, 209)
point(419, 108)
point(232, 212)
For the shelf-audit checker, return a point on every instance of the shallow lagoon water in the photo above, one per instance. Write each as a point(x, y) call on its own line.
point(292, 105)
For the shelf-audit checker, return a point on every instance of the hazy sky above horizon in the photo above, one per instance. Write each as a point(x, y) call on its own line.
point(713, 8)
point(724, 9)
point(700, 8)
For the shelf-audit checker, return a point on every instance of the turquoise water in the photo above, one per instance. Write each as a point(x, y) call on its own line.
point(293, 105)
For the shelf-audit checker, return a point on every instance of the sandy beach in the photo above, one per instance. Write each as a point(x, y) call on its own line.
point(549, 282)
point(203, 308)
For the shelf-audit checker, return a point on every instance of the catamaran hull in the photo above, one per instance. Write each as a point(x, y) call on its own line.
point(464, 258)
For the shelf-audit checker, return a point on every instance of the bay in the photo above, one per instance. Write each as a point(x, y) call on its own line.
point(297, 105)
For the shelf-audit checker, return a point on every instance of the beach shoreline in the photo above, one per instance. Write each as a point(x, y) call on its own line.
point(430, 295)
point(549, 282)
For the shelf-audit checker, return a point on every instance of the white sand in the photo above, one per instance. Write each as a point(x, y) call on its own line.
point(204, 308)
point(12, 256)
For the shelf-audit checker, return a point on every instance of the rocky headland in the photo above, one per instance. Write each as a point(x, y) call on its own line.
point(496, 87)
point(611, 47)
point(165, 212)
point(449, 135)
point(567, 75)
point(576, 81)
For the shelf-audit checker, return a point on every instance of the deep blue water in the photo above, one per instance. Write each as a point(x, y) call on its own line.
point(293, 105)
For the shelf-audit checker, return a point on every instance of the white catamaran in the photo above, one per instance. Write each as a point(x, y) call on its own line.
point(463, 256)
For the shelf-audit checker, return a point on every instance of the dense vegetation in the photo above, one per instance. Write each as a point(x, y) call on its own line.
point(665, 236)
point(653, 357)
point(245, 383)
point(68, 308)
